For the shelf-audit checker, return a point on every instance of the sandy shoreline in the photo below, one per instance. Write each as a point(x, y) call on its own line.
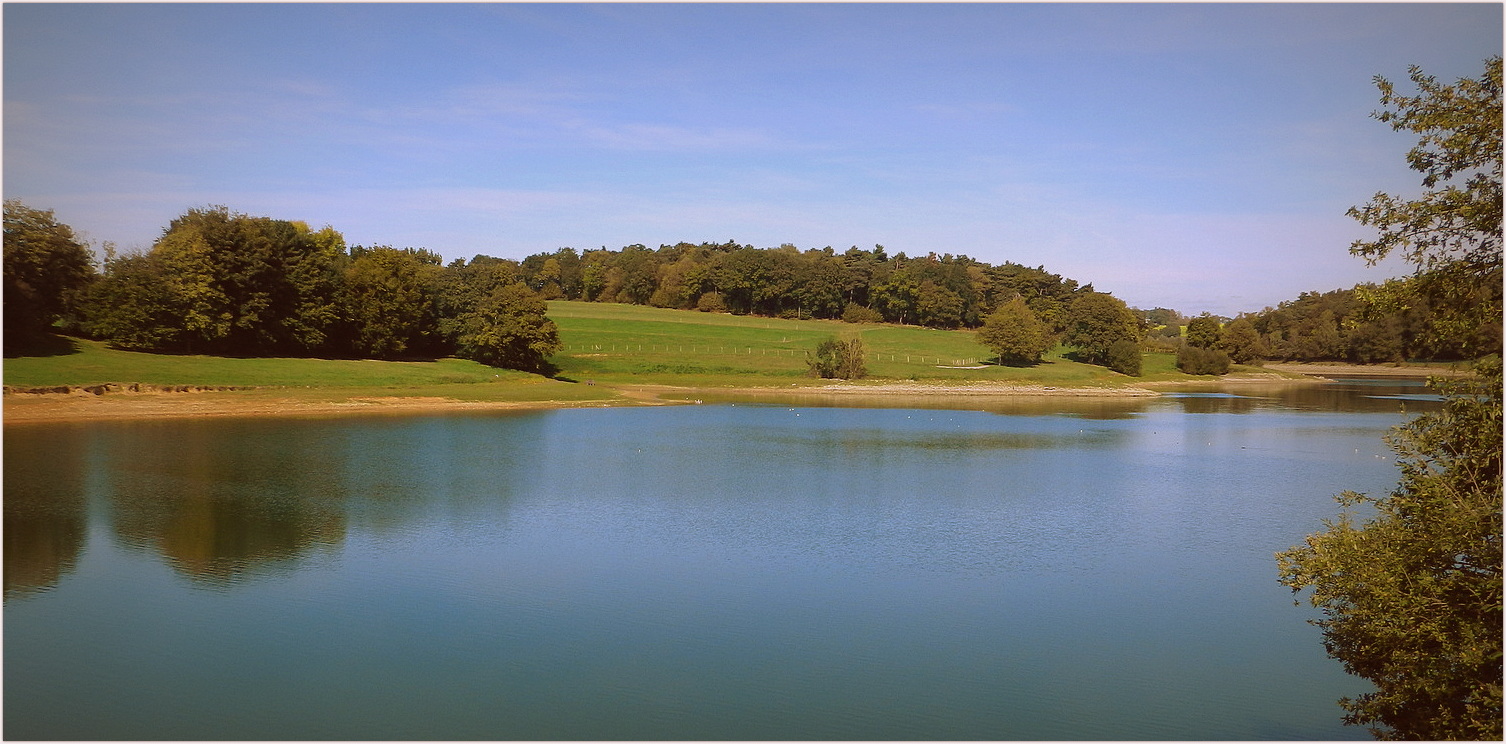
point(1322, 369)
point(82, 405)
point(75, 407)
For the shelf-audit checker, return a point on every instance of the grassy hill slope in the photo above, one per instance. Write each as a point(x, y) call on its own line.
point(622, 343)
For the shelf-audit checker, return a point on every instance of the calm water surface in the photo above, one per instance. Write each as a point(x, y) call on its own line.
point(1047, 570)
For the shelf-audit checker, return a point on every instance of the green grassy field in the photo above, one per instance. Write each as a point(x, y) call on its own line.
point(92, 363)
point(606, 343)
point(623, 343)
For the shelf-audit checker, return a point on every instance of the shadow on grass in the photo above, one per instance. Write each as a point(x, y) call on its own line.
point(49, 345)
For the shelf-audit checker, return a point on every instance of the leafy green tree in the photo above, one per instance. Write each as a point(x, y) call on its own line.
point(820, 282)
point(1014, 333)
point(250, 285)
point(550, 278)
point(711, 302)
point(896, 297)
point(1378, 340)
point(678, 287)
point(1124, 356)
point(1451, 234)
point(1203, 332)
point(593, 275)
point(634, 275)
point(47, 271)
point(390, 297)
point(1241, 341)
point(509, 328)
point(132, 307)
point(1411, 597)
point(837, 359)
point(1096, 321)
point(937, 306)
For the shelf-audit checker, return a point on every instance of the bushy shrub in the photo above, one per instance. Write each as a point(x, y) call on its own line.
point(1124, 357)
point(1198, 361)
point(855, 313)
point(835, 359)
point(711, 302)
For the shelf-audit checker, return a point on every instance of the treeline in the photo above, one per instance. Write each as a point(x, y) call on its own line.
point(859, 285)
point(1371, 323)
point(1366, 324)
point(219, 282)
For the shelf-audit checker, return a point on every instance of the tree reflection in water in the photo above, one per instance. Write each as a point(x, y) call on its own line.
point(45, 518)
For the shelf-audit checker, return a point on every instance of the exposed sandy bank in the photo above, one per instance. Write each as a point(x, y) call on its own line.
point(1331, 369)
point(19, 409)
point(971, 389)
point(116, 404)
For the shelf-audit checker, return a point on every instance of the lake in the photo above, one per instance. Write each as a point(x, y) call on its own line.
point(1044, 569)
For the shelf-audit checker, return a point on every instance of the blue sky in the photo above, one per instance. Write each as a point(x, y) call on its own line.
point(1192, 156)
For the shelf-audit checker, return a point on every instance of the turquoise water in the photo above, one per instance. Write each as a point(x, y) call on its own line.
point(1095, 570)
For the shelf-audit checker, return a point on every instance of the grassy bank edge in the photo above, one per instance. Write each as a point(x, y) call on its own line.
point(320, 387)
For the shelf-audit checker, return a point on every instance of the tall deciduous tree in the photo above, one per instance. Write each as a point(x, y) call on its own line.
point(47, 271)
point(390, 298)
point(509, 328)
point(937, 306)
point(1203, 331)
point(1411, 598)
point(1095, 322)
point(1241, 341)
point(1015, 334)
point(132, 306)
point(1451, 234)
point(250, 285)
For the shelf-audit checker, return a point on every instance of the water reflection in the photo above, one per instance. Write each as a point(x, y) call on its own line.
point(225, 502)
point(681, 573)
point(45, 518)
point(1348, 395)
point(228, 501)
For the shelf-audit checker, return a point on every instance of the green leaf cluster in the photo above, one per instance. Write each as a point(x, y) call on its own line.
point(1204, 332)
point(1015, 334)
point(508, 328)
point(1451, 234)
point(1096, 322)
point(1411, 597)
point(1198, 360)
point(46, 270)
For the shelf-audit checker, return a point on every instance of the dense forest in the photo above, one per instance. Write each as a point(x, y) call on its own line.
point(221, 282)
